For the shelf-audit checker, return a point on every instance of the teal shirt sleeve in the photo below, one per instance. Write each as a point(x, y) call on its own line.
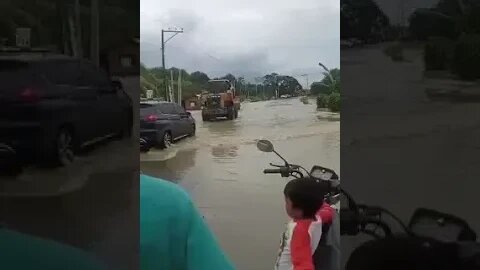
point(173, 234)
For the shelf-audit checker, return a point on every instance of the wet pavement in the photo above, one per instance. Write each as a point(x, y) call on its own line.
point(88, 204)
point(222, 170)
point(443, 136)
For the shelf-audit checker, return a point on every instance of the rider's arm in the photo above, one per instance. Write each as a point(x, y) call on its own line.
point(203, 250)
point(326, 213)
point(300, 246)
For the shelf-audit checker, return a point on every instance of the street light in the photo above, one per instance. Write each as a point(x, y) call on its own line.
point(327, 70)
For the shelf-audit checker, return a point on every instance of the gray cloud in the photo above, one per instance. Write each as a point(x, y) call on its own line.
point(250, 38)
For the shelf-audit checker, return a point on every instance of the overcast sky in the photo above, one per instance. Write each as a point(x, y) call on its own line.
point(247, 37)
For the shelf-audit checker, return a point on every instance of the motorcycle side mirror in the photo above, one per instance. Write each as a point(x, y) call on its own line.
point(440, 226)
point(265, 146)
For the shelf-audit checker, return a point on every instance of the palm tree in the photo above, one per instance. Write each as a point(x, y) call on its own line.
point(332, 78)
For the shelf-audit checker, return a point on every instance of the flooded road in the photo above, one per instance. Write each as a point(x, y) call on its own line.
point(222, 170)
point(417, 152)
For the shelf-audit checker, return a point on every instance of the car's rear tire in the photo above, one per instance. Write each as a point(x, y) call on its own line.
point(64, 150)
point(126, 131)
point(166, 140)
point(194, 130)
point(10, 163)
point(231, 114)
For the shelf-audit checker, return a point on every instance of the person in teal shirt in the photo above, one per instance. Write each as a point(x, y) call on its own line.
point(173, 234)
point(25, 252)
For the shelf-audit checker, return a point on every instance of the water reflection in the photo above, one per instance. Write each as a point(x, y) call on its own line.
point(224, 151)
point(223, 127)
point(174, 167)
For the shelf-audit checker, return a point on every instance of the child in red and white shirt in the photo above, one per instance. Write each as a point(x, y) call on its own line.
point(304, 203)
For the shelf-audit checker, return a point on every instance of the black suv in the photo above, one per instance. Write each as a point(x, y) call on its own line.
point(162, 123)
point(52, 105)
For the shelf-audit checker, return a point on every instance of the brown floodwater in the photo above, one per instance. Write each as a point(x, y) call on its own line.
point(222, 170)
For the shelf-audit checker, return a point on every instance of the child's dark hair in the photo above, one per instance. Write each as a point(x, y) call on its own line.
point(306, 194)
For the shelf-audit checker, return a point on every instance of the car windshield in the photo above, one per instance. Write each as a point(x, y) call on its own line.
point(213, 101)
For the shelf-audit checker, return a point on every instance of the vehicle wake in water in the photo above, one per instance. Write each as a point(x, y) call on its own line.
point(277, 120)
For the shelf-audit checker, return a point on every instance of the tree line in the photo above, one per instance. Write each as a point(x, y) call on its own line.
point(266, 87)
point(451, 33)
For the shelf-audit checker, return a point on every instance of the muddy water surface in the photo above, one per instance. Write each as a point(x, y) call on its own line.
point(222, 170)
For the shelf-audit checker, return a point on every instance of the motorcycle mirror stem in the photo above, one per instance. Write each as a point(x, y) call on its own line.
point(267, 146)
point(284, 160)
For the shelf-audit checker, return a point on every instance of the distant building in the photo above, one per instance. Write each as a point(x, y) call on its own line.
point(193, 103)
point(123, 62)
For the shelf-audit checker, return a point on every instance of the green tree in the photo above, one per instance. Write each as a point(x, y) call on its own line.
point(240, 85)
point(199, 77)
point(425, 23)
point(362, 19)
point(229, 77)
point(288, 85)
point(328, 90)
point(327, 85)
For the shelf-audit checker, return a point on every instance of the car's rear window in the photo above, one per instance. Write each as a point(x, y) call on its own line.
point(14, 74)
point(147, 109)
point(12, 65)
point(60, 71)
point(167, 108)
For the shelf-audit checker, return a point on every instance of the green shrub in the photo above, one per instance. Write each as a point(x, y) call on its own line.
point(322, 101)
point(395, 52)
point(438, 53)
point(470, 23)
point(333, 103)
point(466, 60)
point(304, 100)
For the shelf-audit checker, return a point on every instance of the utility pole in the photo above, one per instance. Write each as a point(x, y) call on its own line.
point(175, 32)
point(306, 75)
point(180, 88)
point(257, 80)
point(78, 28)
point(170, 93)
point(94, 24)
point(402, 18)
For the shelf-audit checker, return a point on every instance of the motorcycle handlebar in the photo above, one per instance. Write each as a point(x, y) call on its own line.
point(267, 171)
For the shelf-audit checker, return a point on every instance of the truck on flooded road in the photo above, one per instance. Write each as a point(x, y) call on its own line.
point(221, 101)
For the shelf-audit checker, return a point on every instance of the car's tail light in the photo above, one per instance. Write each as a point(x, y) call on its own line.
point(151, 118)
point(30, 94)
